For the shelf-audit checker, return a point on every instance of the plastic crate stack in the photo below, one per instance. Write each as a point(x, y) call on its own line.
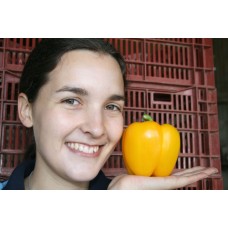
point(170, 79)
point(173, 81)
point(14, 137)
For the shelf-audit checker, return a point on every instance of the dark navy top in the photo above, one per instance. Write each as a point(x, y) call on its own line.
point(16, 180)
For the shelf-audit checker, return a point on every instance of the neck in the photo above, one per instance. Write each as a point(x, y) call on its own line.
point(45, 179)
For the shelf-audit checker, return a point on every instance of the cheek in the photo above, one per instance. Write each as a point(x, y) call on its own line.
point(115, 130)
point(52, 125)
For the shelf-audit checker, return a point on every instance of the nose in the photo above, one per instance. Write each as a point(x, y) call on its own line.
point(94, 124)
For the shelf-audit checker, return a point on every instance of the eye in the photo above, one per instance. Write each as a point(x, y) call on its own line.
point(113, 107)
point(71, 101)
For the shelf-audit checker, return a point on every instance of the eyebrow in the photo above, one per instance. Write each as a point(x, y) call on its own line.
point(75, 90)
point(116, 97)
point(83, 92)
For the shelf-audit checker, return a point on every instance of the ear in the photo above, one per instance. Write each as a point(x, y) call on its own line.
point(25, 110)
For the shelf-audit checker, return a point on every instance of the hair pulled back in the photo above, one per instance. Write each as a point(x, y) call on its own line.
point(47, 54)
point(45, 57)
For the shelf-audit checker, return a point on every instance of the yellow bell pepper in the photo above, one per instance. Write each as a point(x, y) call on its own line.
point(150, 149)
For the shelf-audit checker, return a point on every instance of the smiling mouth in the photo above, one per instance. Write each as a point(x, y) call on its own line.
point(83, 148)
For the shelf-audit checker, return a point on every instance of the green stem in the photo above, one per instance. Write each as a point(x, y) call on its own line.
point(147, 117)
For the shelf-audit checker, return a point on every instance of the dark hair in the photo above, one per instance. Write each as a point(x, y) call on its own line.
point(47, 54)
point(45, 57)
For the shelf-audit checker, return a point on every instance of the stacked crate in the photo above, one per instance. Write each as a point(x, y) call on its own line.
point(173, 81)
point(14, 137)
point(170, 79)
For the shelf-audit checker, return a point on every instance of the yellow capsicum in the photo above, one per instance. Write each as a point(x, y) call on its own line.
point(150, 149)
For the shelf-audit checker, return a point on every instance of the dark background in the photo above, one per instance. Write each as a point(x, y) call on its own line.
point(220, 47)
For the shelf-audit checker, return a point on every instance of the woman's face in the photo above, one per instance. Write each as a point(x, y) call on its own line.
point(77, 116)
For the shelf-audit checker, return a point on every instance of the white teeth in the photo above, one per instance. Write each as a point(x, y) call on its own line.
point(91, 150)
point(86, 149)
point(83, 148)
point(76, 146)
point(95, 149)
point(80, 147)
point(72, 145)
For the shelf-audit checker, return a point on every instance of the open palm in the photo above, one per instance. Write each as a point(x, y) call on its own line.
point(174, 181)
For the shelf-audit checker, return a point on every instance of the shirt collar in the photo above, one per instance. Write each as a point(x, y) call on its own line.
point(16, 180)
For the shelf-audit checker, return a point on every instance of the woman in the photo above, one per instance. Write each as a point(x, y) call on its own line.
point(72, 95)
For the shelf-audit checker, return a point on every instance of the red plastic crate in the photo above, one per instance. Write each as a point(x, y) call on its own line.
point(1, 59)
point(172, 79)
point(15, 60)
point(10, 113)
point(192, 104)
point(202, 51)
point(131, 49)
point(8, 163)
point(17, 51)
point(1, 85)
point(21, 44)
point(14, 136)
point(187, 62)
point(195, 41)
point(115, 164)
point(11, 86)
point(1, 52)
point(192, 110)
point(175, 40)
point(14, 140)
point(169, 54)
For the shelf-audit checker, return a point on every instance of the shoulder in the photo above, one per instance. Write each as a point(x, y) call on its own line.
point(3, 184)
point(100, 182)
point(16, 179)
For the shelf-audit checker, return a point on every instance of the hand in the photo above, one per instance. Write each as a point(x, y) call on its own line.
point(176, 180)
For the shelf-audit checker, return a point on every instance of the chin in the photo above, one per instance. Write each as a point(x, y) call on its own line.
point(85, 175)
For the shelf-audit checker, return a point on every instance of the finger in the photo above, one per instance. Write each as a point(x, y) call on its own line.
point(196, 170)
point(179, 180)
point(188, 180)
point(163, 183)
point(175, 182)
point(190, 170)
point(195, 176)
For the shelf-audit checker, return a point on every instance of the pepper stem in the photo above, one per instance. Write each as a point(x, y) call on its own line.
point(147, 117)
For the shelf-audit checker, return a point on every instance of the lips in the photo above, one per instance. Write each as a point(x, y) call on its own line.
point(83, 148)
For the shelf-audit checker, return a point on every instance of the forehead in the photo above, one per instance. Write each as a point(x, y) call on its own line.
point(87, 69)
point(87, 59)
